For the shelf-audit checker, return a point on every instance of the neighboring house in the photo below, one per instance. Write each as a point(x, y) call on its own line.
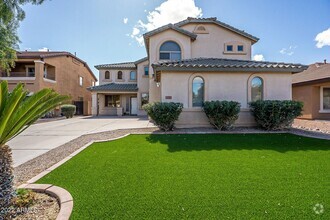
point(61, 71)
point(192, 61)
point(312, 87)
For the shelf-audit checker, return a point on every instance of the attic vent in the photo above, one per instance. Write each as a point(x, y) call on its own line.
point(200, 29)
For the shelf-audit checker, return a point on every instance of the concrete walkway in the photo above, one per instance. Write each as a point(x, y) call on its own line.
point(40, 138)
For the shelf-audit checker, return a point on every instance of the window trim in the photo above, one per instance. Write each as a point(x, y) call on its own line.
point(122, 76)
point(262, 88)
point(192, 91)
point(249, 85)
point(109, 75)
point(170, 52)
point(144, 72)
point(322, 110)
point(130, 76)
point(232, 48)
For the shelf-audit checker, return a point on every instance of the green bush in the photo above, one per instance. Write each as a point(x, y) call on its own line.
point(276, 114)
point(164, 114)
point(68, 110)
point(222, 114)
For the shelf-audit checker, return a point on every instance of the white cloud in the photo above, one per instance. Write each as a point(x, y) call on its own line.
point(259, 57)
point(323, 39)
point(288, 51)
point(135, 31)
point(125, 20)
point(170, 11)
point(44, 49)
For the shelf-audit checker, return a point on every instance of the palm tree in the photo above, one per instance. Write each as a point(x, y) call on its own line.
point(18, 112)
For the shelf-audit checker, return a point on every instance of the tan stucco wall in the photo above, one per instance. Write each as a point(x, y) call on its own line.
point(113, 76)
point(221, 86)
point(310, 96)
point(66, 81)
point(143, 84)
point(212, 44)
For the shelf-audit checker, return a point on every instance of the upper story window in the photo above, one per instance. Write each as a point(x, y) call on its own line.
point(107, 75)
point(132, 75)
point(80, 81)
point(146, 71)
point(257, 87)
point(198, 92)
point(120, 75)
point(240, 48)
point(170, 51)
point(229, 48)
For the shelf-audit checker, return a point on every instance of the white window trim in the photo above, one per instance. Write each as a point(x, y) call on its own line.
point(321, 100)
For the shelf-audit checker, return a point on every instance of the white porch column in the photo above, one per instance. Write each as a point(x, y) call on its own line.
point(94, 104)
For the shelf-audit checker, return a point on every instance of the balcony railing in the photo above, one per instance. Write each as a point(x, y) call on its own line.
point(17, 74)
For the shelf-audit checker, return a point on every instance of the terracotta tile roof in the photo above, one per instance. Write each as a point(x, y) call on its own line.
point(48, 54)
point(217, 22)
point(115, 87)
point(221, 65)
point(315, 72)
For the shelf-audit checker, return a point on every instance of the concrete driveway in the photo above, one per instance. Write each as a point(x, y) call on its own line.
point(42, 137)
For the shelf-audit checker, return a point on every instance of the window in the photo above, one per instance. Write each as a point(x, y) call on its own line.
point(132, 75)
point(93, 83)
point(256, 89)
point(229, 48)
point(240, 48)
point(170, 51)
point(146, 71)
point(144, 98)
point(30, 72)
point(197, 92)
point(120, 75)
point(325, 98)
point(107, 75)
point(112, 101)
point(80, 81)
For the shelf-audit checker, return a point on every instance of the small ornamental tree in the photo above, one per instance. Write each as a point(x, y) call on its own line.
point(18, 112)
point(164, 114)
point(276, 114)
point(222, 114)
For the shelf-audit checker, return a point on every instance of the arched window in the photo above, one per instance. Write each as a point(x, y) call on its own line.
point(197, 92)
point(107, 75)
point(257, 87)
point(170, 51)
point(120, 75)
point(132, 75)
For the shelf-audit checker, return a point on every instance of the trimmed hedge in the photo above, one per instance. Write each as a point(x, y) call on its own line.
point(164, 114)
point(222, 114)
point(276, 114)
point(68, 110)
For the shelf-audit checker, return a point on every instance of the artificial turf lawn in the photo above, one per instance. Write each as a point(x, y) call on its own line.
point(235, 176)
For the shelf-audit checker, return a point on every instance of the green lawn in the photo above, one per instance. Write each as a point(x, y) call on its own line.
point(234, 176)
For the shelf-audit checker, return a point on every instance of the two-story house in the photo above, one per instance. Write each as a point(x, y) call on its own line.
point(192, 61)
point(61, 71)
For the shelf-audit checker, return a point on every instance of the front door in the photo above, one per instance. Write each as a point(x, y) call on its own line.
point(134, 106)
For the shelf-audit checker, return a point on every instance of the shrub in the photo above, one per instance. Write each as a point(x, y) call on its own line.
point(222, 114)
point(68, 110)
point(164, 114)
point(276, 114)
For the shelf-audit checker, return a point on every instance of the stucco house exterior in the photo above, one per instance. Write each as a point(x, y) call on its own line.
point(192, 61)
point(312, 87)
point(59, 70)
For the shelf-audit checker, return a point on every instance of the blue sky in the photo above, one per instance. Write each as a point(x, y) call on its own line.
point(96, 30)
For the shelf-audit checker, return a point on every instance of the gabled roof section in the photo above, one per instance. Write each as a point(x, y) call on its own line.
point(227, 65)
point(215, 21)
point(115, 87)
point(315, 73)
point(121, 66)
point(49, 54)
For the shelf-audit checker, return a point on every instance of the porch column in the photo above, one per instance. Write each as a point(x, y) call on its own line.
point(94, 104)
point(39, 73)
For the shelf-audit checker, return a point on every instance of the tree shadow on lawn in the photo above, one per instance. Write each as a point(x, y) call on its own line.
point(206, 142)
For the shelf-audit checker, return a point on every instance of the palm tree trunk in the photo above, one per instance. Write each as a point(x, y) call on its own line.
point(6, 180)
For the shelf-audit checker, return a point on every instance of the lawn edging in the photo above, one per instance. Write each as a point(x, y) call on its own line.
point(63, 197)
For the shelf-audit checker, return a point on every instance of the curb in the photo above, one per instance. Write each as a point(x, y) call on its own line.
point(63, 197)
